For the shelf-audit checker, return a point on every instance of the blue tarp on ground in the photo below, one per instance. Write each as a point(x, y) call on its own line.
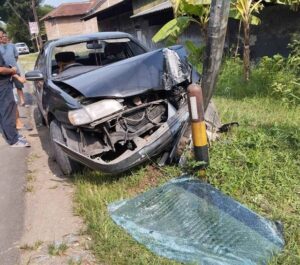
point(190, 221)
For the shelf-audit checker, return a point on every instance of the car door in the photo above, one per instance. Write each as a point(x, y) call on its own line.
point(39, 85)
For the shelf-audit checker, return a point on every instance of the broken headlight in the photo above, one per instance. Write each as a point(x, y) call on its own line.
point(94, 111)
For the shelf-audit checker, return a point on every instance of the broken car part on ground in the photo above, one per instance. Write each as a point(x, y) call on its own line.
point(113, 105)
point(192, 222)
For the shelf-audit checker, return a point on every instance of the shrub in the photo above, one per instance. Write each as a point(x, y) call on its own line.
point(276, 76)
point(281, 77)
point(294, 57)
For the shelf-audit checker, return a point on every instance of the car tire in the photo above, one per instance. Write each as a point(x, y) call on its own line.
point(66, 164)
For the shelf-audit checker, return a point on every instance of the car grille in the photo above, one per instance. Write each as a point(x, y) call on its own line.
point(138, 119)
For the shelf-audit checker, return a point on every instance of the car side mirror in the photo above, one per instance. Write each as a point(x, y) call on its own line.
point(35, 75)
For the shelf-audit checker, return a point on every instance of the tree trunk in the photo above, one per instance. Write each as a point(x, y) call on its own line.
point(238, 41)
point(246, 55)
point(217, 28)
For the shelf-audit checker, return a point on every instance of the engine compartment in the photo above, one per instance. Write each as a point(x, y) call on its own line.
point(142, 115)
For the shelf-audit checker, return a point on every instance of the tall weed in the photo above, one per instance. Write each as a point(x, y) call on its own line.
point(275, 77)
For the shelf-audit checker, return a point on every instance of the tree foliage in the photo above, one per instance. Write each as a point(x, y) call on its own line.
point(246, 11)
point(185, 13)
point(43, 11)
point(17, 14)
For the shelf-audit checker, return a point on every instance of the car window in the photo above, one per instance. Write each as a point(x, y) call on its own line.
point(135, 48)
point(95, 53)
point(79, 49)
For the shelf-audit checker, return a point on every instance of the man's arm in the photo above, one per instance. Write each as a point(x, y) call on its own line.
point(8, 71)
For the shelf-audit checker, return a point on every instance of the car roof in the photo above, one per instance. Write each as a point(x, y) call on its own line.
point(87, 37)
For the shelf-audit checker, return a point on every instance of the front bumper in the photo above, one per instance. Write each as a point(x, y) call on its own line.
point(154, 145)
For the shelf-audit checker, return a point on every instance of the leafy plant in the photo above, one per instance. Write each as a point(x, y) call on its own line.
point(272, 76)
point(246, 11)
point(195, 54)
point(185, 13)
point(294, 57)
point(57, 249)
point(294, 4)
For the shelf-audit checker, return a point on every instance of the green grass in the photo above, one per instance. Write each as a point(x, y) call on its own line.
point(57, 249)
point(94, 191)
point(258, 164)
point(27, 61)
point(35, 246)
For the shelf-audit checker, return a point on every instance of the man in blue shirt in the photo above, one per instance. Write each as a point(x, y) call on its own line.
point(8, 105)
point(10, 56)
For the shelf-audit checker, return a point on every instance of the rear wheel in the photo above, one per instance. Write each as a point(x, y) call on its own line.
point(66, 164)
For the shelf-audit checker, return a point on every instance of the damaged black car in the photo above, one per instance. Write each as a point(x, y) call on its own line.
point(109, 103)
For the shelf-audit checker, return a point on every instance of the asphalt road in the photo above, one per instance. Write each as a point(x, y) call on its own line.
point(12, 201)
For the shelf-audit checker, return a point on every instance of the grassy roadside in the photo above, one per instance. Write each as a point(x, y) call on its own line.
point(27, 61)
point(257, 164)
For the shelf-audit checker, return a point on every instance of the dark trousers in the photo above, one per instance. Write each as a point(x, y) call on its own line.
point(8, 110)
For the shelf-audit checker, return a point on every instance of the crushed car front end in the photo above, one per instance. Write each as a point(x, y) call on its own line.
point(130, 110)
point(114, 149)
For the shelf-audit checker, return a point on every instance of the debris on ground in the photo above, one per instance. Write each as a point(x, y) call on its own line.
point(192, 222)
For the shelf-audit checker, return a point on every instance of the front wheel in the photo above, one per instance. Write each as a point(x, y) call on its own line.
point(66, 164)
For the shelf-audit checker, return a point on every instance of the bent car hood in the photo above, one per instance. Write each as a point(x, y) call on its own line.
point(128, 77)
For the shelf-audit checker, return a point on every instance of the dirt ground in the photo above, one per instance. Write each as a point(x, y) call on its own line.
point(53, 234)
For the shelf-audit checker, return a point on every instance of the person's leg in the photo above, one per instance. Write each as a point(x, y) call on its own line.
point(19, 123)
point(8, 115)
point(19, 86)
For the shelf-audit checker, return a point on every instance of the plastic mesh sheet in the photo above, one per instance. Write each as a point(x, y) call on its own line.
point(192, 222)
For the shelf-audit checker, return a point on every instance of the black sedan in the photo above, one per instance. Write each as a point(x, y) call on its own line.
point(109, 103)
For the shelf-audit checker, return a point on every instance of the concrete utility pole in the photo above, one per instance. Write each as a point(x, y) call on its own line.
point(217, 28)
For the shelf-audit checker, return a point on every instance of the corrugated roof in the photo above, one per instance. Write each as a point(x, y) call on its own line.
point(70, 9)
point(159, 7)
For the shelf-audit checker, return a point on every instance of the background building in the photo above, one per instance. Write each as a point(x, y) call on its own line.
point(65, 20)
point(143, 18)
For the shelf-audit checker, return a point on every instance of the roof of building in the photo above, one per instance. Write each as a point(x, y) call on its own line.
point(70, 9)
point(102, 6)
point(158, 7)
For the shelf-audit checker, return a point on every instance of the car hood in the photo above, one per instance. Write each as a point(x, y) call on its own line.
point(132, 76)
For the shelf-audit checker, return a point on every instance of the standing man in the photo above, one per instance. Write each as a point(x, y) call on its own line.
point(11, 56)
point(8, 105)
